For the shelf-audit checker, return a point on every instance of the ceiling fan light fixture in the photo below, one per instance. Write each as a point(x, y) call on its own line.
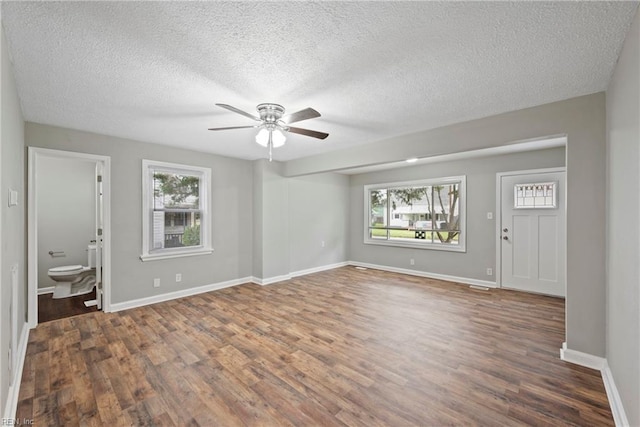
point(262, 137)
point(278, 138)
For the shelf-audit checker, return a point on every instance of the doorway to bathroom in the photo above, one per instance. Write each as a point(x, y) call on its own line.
point(68, 234)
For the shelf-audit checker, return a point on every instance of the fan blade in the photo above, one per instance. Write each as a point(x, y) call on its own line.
point(233, 127)
point(235, 110)
point(298, 116)
point(308, 132)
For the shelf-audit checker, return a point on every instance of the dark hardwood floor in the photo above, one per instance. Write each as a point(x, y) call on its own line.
point(53, 309)
point(342, 347)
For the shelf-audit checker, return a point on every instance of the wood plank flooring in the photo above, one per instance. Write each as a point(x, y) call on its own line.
point(54, 309)
point(342, 347)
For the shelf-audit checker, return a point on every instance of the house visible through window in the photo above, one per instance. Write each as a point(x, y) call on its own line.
point(426, 214)
point(175, 210)
point(175, 226)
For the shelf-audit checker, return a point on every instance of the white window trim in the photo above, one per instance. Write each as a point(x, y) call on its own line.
point(462, 240)
point(205, 209)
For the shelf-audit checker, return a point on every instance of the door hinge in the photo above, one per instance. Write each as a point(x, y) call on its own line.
point(99, 231)
point(99, 178)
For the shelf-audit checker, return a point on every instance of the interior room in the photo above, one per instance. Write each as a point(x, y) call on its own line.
point(405, 213)
point(66, 212)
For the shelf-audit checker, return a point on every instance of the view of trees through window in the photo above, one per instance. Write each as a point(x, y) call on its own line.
point(416, 213)
point(176, 210)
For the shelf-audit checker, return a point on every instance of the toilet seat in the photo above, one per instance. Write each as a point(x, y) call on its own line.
point(67, 270)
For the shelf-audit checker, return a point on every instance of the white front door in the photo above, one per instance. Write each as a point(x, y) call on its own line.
point(533, 232)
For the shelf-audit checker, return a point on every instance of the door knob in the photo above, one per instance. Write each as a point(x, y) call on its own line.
point(505, 238)
point(505, 229)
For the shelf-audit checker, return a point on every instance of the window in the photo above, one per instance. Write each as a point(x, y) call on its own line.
point(175, 210)
point(427, 214)
point(541, 195)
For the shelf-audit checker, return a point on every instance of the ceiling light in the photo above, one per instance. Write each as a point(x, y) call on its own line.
point(278, 138)
point(412, 160)
point(270, 137)
point(262, 137)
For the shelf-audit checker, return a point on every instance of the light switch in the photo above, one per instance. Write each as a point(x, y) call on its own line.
point(13, 197)
point(489, 215)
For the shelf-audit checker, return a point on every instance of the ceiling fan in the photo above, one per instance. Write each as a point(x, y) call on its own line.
point(273, 123)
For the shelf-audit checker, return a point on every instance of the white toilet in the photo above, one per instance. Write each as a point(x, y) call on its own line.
point(74, 280)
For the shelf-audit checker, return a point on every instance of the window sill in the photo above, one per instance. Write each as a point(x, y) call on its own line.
point(432, 246)
point(169, 255)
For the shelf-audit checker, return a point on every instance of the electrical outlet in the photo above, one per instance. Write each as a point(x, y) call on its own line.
point(178, 277)
point(156, 283)
point(412, 261)
point(489, 271)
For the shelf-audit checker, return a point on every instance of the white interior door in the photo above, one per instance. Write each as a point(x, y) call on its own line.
point(533, 232)
point(99, 231)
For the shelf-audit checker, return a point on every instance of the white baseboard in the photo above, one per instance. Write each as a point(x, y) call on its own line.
point(213, 287)
point(446, 277)
point(600, 364)
point(619, 416)
point(47, 290)
point(177, 294)
point(270, 280)
point(582, 359)
point(275, 279)
point(14, 389)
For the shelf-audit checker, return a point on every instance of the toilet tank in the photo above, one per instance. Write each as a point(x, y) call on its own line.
point(91, 256)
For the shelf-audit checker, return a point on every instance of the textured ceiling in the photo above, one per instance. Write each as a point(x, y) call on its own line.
point(153, 71)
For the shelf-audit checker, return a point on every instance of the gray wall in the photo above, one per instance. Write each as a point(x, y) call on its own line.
point(480, 199)
point(232, 214)
point(66, 213)
point(258, 168)
point(318, 212)
point(293, 217)
point(275, 219)
point(12, 219)
point(582, 120)
point(623, 225)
